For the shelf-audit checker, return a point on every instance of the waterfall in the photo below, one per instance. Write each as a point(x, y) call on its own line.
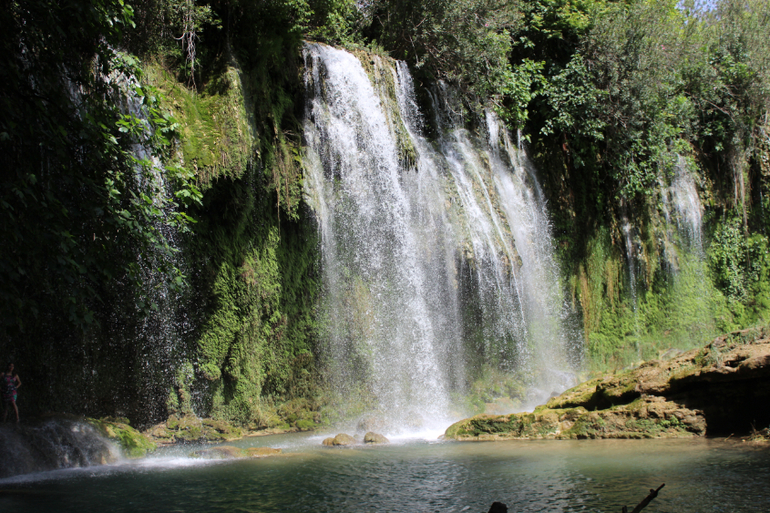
point(683, 212)
point(436, 255)
point(146, 328)
point(682, 198)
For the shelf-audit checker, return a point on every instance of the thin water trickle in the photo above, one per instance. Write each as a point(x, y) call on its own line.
point(683, 251)
point(683, 199)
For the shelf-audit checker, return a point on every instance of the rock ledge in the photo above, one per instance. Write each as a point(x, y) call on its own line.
point(719, 390)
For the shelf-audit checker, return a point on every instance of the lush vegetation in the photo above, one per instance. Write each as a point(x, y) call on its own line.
point(196, 252)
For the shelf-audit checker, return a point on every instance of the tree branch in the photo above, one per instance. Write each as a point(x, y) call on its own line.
point(639, 507)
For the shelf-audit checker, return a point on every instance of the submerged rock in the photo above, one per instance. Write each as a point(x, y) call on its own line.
point(719, 390)
point(375, 438)
point(223, 452)
point(340, 439)
point(227, 452)
point(262, 452)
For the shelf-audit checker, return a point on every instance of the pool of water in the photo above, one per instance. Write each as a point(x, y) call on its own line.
point(414, 475)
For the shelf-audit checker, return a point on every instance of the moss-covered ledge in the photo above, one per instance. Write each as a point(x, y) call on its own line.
point(719, 390)
point(132, 443)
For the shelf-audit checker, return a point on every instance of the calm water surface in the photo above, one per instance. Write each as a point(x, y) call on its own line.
point(416, 476)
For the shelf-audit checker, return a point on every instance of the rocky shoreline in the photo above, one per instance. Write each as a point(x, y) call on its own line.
point(719, 390)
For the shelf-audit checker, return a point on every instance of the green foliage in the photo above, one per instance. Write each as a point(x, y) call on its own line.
point(77, 202)
point(741, 268)
point(464, 42)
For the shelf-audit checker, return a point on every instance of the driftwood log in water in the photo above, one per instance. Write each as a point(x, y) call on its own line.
point(639, 507)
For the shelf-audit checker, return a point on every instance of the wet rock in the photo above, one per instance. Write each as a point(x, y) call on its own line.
point(414, 420)
point(375, 438)
point(716, 390)
point(60, 441)
point(340, 439)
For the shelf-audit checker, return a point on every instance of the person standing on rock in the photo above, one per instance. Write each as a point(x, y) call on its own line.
point(10, 382)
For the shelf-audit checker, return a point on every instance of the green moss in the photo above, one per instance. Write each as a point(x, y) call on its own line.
point(133, 443)
point(215, 136)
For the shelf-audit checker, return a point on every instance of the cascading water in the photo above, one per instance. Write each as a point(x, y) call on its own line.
point(682, 198)
point(434, 254)
point(147, 328)
point(685, 255)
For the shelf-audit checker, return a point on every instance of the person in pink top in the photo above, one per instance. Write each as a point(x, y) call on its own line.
point(10, 382)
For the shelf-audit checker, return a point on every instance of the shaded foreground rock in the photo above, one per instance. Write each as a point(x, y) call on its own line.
point(718, 390)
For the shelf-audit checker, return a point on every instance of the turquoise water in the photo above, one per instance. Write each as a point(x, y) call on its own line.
point(416, 476)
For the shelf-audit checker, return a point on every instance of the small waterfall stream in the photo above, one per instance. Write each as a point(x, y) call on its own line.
point(682, 198)
point(436, 255)
point(685, 254)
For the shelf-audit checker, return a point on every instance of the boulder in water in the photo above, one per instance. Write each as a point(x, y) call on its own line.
point(189, 428)
point(498, 507)
point(340, 439)
point(375, 438)
point(414, 420)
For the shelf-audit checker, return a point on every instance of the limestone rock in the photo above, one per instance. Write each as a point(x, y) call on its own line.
point(375, 438)
point(717, 390)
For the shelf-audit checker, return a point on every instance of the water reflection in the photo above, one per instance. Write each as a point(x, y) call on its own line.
point(553, 476)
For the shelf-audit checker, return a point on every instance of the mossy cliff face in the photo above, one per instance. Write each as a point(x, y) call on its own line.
point(252, 253)
point(720, 389)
